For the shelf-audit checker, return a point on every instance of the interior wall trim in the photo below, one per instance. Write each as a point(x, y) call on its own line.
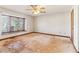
point(15, 36)
point(53, 34)
point(74, 46)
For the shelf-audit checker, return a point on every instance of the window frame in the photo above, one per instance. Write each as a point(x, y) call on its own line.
point(10, 23)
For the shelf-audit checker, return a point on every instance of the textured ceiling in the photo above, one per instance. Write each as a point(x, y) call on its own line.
point(49, 9)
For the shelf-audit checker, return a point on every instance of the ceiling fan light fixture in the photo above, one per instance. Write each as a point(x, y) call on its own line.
point(36, 11)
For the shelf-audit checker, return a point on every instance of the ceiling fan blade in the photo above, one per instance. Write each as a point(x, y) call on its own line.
point(42, 11)
point(42, 8)
point(34, 6)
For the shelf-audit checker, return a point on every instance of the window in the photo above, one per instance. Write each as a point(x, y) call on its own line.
point(12, 24)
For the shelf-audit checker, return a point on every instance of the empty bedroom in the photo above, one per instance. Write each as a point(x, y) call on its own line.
point(39, 29)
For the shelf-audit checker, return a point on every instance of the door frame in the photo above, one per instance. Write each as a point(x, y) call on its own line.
point(72, 25)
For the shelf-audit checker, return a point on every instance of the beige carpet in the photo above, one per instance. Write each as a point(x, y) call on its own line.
point(36, 42)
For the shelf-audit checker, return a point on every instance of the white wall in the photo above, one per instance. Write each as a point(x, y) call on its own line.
point(28, 21)
point(54, 24)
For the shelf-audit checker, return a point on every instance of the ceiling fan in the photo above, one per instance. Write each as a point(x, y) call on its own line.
point(36, 9)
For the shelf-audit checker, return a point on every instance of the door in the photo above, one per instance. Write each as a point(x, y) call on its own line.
point(72, 25)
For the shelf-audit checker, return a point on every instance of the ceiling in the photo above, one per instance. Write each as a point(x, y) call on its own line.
point(49, 9)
